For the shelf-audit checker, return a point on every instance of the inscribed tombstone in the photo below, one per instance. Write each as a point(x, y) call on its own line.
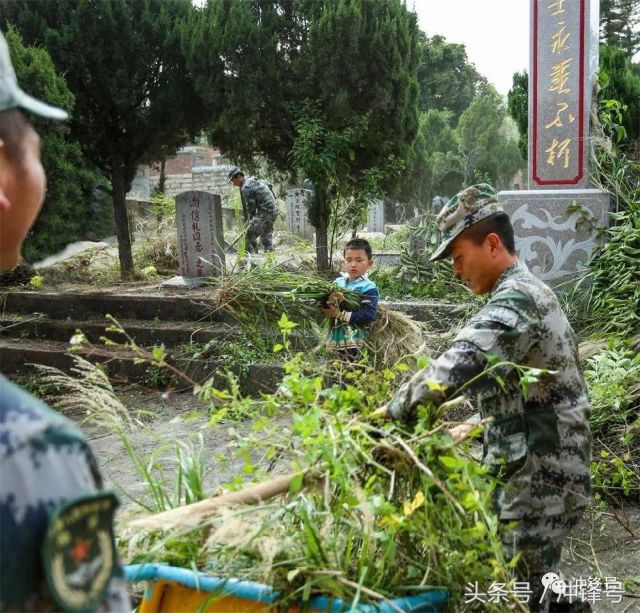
point(140, 184)
point(297, 213)
point(200, 236)
point(375, 216)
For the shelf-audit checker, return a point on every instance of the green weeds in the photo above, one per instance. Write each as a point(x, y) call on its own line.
point(613, 377)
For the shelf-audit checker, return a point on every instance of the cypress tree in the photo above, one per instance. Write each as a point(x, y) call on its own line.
point(134, 98)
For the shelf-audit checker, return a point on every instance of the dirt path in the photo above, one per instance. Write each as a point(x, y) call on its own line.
point(600, 546)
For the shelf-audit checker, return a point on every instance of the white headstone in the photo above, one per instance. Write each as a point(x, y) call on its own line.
point(297, 213)
point(200, 237)
point(140, 184)
point(375, 216)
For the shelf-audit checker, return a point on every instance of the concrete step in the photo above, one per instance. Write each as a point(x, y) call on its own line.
point(91, 305)
point(144, 333)
point(159, 307)
point(17, 357)
point(440, 316)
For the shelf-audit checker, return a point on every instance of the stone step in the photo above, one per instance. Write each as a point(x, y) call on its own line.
point(17, 357)
point(440, 316)
point(144, 333)
point(91, 305)
point(159, 307)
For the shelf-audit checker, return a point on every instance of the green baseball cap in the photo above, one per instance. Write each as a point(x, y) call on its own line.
point(11, 96)
point(467, 207)
point(234, 171)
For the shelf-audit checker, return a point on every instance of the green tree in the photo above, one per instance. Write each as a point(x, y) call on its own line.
point(620, 24)
point(489, 149)
point(477, 134)
point(66, 214)
point(619, 81)
point(518, 105)
point(435, 165)
point(448, 81)
point(326, 88)
point(134, 99)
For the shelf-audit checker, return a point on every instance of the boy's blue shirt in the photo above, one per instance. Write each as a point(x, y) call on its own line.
point(352, 333)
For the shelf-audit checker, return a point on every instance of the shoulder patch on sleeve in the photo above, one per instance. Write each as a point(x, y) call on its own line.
point(79, 552)
point(499, 314)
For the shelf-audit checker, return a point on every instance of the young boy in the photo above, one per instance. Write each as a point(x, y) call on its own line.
point(47, 469)
point(349, 327)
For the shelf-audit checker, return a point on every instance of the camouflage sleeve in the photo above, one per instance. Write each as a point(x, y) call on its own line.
point(505, 331)
point(265, 202)
point(249, 197)
point(42, 472)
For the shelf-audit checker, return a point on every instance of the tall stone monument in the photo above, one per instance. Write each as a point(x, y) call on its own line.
point(556, 220)
point(297, 213)
point(375, 216)
point(200, 238)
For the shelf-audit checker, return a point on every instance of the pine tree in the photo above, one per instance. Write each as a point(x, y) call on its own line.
point(518, 105)
point(620, 24)
point(621, 82)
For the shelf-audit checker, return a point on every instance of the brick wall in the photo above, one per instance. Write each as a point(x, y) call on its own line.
point(208, 179)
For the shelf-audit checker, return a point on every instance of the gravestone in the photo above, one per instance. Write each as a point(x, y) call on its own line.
point(556, 221)
point(297, 213)
point(140, 184)
point(375, 216)
point(200, 237)
point(437, 204)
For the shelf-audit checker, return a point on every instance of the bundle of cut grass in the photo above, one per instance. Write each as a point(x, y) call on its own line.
point(263, 294)
point(273, 290)
point(393, 337)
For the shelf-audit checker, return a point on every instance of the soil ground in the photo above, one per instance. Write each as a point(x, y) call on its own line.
point(605, 544)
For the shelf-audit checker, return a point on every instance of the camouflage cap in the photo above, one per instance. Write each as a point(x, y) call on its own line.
point(234, 171)
point(467, 207)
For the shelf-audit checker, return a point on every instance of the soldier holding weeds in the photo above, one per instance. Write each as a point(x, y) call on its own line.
point(537, 438)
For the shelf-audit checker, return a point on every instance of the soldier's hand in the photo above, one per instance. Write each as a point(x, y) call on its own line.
point(460, 431)
point(381, 413)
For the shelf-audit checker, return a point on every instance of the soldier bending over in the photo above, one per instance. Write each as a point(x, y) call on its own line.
point(539, 444)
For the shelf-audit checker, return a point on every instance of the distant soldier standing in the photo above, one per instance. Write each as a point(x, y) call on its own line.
point(538, 443)
point(57, 549)
point(258, 207)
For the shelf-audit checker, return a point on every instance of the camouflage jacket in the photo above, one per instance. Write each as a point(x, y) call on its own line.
point(45, 461)
point(257, 199)
point(540, 443)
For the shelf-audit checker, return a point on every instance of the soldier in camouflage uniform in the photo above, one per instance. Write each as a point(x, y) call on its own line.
point(57, 549)
point(259, 208)
point(539, 443)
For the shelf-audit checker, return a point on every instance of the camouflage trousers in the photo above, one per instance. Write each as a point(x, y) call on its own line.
point(539, 542)
point(260, 226)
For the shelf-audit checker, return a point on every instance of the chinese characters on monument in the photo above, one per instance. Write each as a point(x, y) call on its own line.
point(297, 201)
point(560, 94)
point(200, 238)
